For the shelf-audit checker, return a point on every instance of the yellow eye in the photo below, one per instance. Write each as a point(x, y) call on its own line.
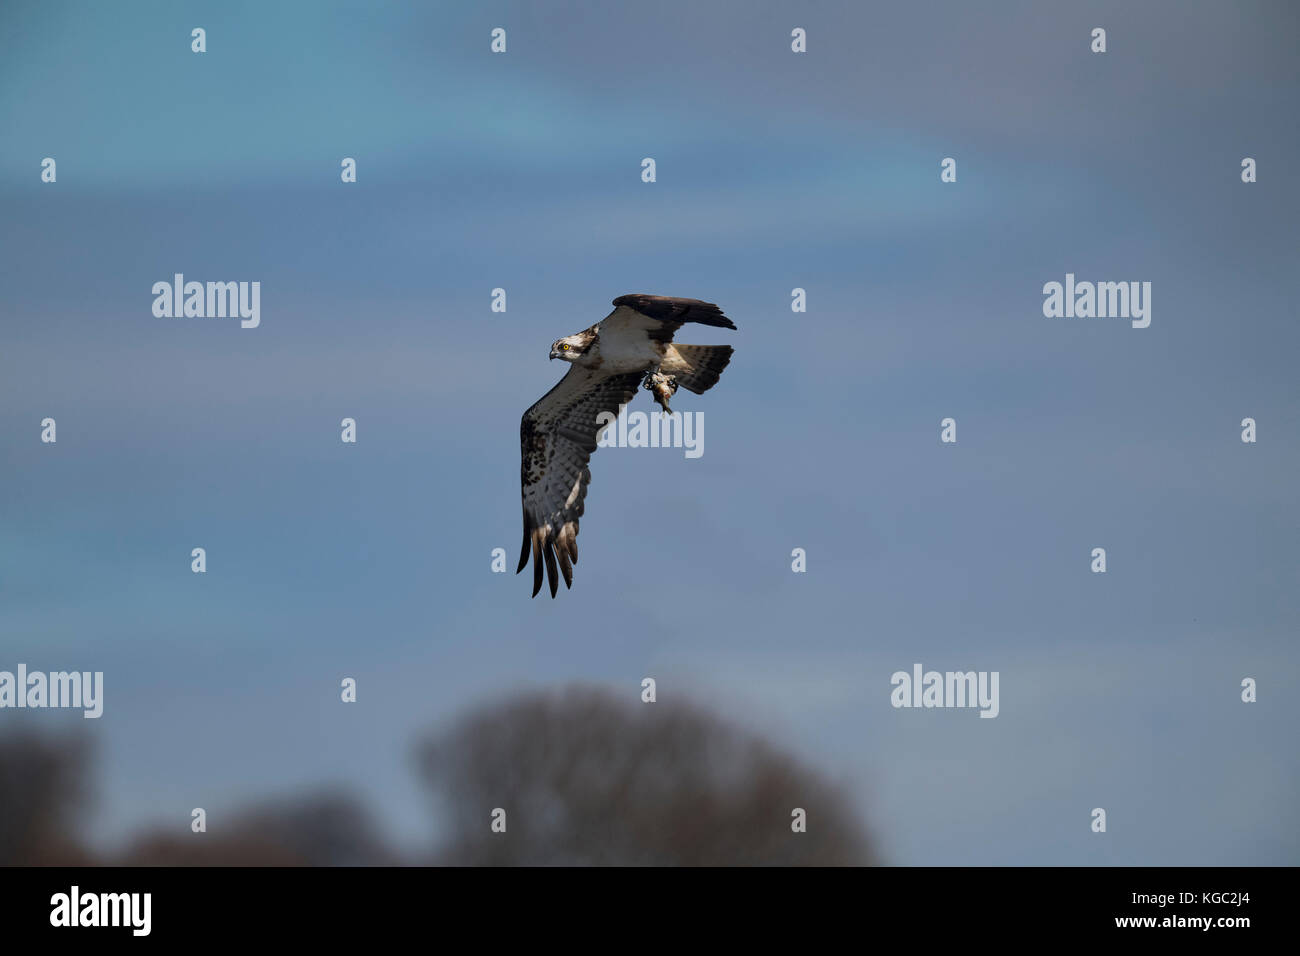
point(564, 347)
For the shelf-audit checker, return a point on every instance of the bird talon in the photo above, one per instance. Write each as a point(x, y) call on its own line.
point(661, 386)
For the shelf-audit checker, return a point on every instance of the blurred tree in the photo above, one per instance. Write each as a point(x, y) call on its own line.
point(586, 778)
point(43, 783)
point(321, 829)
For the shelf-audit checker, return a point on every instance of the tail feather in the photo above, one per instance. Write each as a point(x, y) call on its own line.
point(706, 364)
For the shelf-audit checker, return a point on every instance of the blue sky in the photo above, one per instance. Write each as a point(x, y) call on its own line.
point(775, 170)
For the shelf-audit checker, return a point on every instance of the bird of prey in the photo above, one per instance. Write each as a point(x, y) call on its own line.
point(631, 345)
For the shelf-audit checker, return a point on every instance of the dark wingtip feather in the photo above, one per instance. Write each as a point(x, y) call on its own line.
point(566, 568)
point(544, 549)
point(523, 551)
point(552, 575)
point(537, 563)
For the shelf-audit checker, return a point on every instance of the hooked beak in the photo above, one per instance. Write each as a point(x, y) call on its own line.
point(554, 355)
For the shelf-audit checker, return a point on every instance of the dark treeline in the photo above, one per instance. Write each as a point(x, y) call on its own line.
point(583, 778)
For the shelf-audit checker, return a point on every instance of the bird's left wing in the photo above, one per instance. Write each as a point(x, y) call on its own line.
point(655, 317)
point(556, 438)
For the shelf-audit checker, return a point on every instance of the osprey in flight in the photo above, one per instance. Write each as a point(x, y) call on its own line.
point(630, 346)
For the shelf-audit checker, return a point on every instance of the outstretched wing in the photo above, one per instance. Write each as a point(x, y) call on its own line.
point(656, 317)
point(556, 439)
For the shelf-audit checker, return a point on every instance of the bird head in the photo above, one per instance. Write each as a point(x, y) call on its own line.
point(568, 348)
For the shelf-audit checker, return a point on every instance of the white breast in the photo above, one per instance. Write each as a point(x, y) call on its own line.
point(623, 343)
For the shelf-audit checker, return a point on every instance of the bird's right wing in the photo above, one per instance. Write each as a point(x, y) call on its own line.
point(556, 438)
